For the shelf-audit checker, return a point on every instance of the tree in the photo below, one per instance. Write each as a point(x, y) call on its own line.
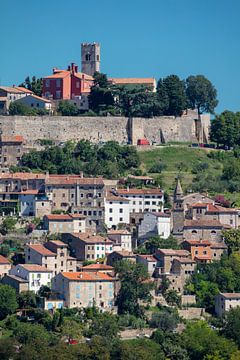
point(8, 301)
point(105, 325)
point(135, 286)
point(231, 327)
point(27, 299)
point(65, 108)
point(34, 84)
point(201, 94)
point(7, 225)
point(100, 97)
point(156, 242)
point(174, 89)
point(164, 320)
point(225, 129)
point(172, 297)
point(18, 108)
point(232, 239)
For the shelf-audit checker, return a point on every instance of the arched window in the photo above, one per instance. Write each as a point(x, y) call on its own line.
point(194, 231)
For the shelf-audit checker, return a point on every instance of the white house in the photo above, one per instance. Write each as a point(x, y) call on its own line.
point(116, 211)
point(157, 223)
point(122, 239)
point(35, 102)
point(143, 200)
point(36, 275)
point(225, 302)
point(34, 204)
point(148, 261)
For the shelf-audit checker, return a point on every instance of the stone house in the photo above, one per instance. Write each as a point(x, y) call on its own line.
point(117, 211)
point(204, 251)
point(122, 239)
point(204, 229)
point(143, 200)
point(11, 149)
point(9, 94)
point(148, 261)
point(53, 256)
point(33, 203)
point(36, 275)
point(226, 301)
point(115, 256)
point(18, 182)
point(165, 258)
point(16, 282)
point(64, 223)
point(84, 289)
point(157, 223)
point(5, 266)
point(107, 269)
point(85, 246)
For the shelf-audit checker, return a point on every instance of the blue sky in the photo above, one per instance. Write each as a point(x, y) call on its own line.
point(139, 38)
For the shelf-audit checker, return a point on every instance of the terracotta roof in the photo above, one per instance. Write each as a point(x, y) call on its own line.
point(135, 191)
point(124, 253)
point(29, 192)
point(83, 76)
point(116, 198)
point(12, 89)
point(41, 249)
point(147, 257)
point(198, 242)
point(231, 295)
point(59, 74)
point(200, 204)
point(218, 245)
point(211, 207)
point(184, 260)
point(34, 268)
point(4, 260)
point(92, 239)
point(14, 138)
point(39, 98)
point(64, 217)
point(22, 176)
point(173, 252)
point(72, 180)
point(202, 257)
point(123, 81)
point(119, 232)
point(23, 89)
point(87, 276)
point(97, 267)
point(204, 223)
point(3, 98)
point(57, 243)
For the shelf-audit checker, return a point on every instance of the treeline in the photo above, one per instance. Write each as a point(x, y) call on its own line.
point(110, 160)
point(225, 129)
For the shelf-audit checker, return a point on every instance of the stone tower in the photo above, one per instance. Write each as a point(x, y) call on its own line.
point(178, 210)
point(90, 58)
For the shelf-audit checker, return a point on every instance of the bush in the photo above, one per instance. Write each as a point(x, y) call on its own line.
point(158, 167)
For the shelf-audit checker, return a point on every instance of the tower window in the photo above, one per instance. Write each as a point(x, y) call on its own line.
point(88, 57)
point(97, 57)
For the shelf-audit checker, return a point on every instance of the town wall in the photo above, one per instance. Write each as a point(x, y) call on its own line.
point(102, 129)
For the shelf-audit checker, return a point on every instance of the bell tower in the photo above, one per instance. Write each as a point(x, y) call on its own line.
point(178, 215)
point(90, 58)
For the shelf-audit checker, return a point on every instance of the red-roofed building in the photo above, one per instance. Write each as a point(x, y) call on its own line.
point(83, 289)
point(5, 266)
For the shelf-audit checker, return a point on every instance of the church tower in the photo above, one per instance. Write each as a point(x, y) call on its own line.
point(90, 58)
point(178, 210)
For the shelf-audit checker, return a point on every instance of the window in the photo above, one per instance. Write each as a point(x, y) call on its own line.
point(194, 231)
point(58, 94)
point(77, 84)
point(110, 210)
point(47, 83)
point(100, 287)
point(63, 195)
point(121, 210)
point(110, 219)
point(205, 252)
point(196, 252)
point(58, 83)
point(120, 219)
point(87, 57)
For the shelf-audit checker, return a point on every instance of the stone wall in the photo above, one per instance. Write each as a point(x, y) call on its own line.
point(97, 129)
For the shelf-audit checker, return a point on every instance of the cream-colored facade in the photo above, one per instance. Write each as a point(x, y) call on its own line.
point(225, 302)
point(5, 266)
point(83, 289)
point(65, 223)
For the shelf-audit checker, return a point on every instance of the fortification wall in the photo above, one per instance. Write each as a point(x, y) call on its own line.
point(97, 129)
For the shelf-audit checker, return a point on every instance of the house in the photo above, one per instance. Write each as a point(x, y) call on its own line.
point(64, 223)
point(117, 211)
point(148, 83)
point(122, 239)
point(225, 216)
point(200, 250)
point(85, 289)
point(11, 149)
point(218, 249)
point(99, 268)
point(34, 203)
point(143, 200)
point(35, 102)
point(19, 284)
point(157, 223)
point(53, 255)
point(148, 261)
point(204, 229)
point(84, 196)
point(9, 94)
point(36, 275)
point(17, 182)
point(225, 302)
point(166, 257)
point(66, 84)
point(85, 246)
point(5, 266)
point(115, 256)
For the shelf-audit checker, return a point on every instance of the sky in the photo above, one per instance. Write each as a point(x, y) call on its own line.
point(139, 38)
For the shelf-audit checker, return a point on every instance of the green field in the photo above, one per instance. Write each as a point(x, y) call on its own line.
point(178, 160)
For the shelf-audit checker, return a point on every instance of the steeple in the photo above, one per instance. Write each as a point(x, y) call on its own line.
point(178, 192)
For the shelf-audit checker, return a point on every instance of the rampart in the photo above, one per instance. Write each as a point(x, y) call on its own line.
point(102, 129)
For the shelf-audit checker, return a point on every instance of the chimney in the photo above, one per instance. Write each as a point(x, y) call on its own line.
point(54, 70)
point(81, 174)
point(69, 68)
point(128, 189)
point(76, 68)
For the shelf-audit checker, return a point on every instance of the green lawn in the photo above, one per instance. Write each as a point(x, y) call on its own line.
point(178, 159)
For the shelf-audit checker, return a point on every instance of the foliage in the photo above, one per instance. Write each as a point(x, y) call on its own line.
point(164, 320)
point(110, 160)
point(231, 327)
point(158, 167)
point(100, 98)
point(134, 287)
point(18, 108)
point(172, 297)
point(104, 324)
point(7, 225)
point(27, 299)
point(225, 129)
point(156, 242)
point(232, 239)
point(66, 108)
point(201, 94)
point(34, 84)
point(8, 301)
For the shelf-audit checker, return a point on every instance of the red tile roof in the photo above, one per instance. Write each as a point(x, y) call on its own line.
point(4, 260)
point(22, 176)
point(184, 260)
point(87, 276)
point(13, 139)
point(92, 239)
point(202, 257)
point(173, 252)
point(211, 207)
point(135, 191)
point(116, 198)
point(23, 89)
point(97, 267)
point(148, 257)
point(204, 223)
point(218, 245)
point(119, 232)
point(64, 217)
point(34, 268)
point(72, 180)
point(124, 81)
point(58, 74)
point(29, 192)
point(198, 242)
point(231, 295)
point(41, 249)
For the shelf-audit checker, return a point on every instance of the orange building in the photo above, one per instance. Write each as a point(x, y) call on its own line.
point(200, 250)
